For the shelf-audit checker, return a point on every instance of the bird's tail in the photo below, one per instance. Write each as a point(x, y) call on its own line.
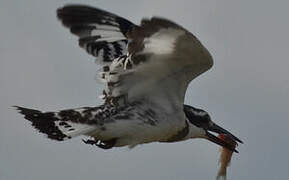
point(66, 124)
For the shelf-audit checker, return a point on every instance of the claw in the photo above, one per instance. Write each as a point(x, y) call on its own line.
point(89, 141)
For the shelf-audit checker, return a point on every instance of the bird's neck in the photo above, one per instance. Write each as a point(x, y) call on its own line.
point(195, 132)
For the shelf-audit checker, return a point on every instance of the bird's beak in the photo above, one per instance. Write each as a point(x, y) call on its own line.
point(220, 141)
point(217, 129)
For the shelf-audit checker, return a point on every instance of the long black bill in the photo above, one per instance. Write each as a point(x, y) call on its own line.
point(217, 129)
point(220, 142)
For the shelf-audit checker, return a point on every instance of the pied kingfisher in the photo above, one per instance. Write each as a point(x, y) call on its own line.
point(146, 70)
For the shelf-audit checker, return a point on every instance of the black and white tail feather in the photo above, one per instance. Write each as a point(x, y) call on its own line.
point(89, 121)
point(66, 124)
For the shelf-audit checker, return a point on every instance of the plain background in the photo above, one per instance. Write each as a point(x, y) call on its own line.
point(247, 91)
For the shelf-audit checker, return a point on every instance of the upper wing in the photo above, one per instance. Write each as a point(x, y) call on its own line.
point(100, 33)
point(162, 56)
point(162, 59)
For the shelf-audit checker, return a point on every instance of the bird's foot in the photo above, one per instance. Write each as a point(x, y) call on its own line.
point(89, 141)
point(101, 144)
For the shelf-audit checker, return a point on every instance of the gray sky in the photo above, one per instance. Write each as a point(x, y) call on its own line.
point(247, 91)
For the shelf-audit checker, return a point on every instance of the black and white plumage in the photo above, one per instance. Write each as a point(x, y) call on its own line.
point(146, 73)
point(100, 33)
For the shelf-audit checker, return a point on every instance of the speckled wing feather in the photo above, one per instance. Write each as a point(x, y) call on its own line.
point(105, 124)
point(69, 123)
point(101, 34)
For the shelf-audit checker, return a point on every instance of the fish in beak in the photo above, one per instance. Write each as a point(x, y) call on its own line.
point(215, 134)
point(230, 142)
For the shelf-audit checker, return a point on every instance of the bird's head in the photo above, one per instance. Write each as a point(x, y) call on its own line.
point(201, 119)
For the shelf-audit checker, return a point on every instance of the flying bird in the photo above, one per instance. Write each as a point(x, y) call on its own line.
point(146, 70)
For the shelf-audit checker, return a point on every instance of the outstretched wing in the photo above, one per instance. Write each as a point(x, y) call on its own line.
point(162, 59)
point(162, 56)
point(100, 33)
